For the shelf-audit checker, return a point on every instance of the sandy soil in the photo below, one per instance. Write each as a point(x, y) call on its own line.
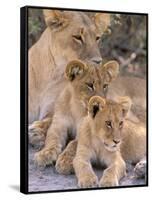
point(48, 179)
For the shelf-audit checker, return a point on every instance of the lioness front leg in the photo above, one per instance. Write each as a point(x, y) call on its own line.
point(37, 132)
point(115, 171)
point(64, 164)
point(55, 141)
point(83, 169)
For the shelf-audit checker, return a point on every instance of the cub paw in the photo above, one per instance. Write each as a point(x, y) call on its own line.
point(88, 181)
point(108, 182)
point(46, 157)
point(64, 164)
point(36, 136)
point(140, 169)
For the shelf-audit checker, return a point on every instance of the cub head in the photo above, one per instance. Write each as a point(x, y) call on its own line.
point(75, 35)
point(108, 118)
point(88, 80)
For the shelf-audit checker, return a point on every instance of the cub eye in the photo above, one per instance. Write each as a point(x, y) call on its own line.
point(121, 124)
point(78, 38)
point(98, 38)
point(108, 124)
point(105, 87)
point(90, 86)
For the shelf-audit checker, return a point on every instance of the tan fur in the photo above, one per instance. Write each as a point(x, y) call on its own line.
point(106, 135)
point(55, 48)
point(135, 88)
point(84, 81)
point(121, 86)
point(38, 130)
point(59, 44)
point(64, 163)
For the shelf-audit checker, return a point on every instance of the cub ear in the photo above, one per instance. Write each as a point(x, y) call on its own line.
point(102, 21)
point(126, 103)
point(110, 71)
point(75, 69)
point(55, 19)
point(96, 104)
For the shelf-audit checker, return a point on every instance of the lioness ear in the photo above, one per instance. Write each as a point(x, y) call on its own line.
point(102, 21)
point(126, 103)
point(110, 71)
point(55, 19)
point(95, 104)
point(75, 69)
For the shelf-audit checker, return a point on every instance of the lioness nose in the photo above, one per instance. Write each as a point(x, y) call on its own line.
point(97, 60)
point(116, 141)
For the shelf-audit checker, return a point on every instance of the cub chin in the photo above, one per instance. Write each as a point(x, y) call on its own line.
point(106, 135)
point(83, 82)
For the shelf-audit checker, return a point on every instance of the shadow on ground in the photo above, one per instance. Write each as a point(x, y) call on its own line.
point(15, 187)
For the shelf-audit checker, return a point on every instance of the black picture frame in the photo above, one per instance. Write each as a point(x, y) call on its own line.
point(24, 179)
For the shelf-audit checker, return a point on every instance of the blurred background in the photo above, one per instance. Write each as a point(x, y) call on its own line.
point(125, 40)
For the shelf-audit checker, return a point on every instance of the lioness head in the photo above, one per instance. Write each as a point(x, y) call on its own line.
point(108, 118)
point(88, 80)
point(75, 35)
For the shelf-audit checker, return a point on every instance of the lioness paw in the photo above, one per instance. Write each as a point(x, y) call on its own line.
point(36, 136)
point(140, 169)
point(46, 157)
point(108, 182)
point(88, 181)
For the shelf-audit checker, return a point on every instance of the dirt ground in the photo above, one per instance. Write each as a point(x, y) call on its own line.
point(48, 179)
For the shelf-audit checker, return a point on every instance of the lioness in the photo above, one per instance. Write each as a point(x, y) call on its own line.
point(107, 136)
point(68, 36)
point(84, 81)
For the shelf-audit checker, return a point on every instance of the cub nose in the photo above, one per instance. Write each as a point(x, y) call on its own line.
point(116, 141)
point(97, 60)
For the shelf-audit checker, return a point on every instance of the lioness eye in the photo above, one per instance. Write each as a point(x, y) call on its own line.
point(90, 86)
point(78, 38)
point(121, 124)
point(108, 124)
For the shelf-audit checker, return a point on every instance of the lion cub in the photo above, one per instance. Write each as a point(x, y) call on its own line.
point(106, 135)
point(84, 81)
